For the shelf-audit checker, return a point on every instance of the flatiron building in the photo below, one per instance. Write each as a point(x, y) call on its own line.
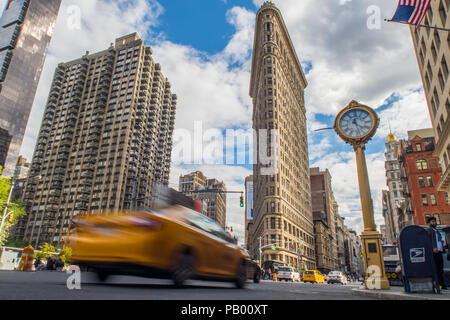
point(282, 200)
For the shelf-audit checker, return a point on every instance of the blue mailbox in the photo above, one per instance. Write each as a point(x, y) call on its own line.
point(418, 269)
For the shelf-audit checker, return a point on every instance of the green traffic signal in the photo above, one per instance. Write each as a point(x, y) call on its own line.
point(242, 201)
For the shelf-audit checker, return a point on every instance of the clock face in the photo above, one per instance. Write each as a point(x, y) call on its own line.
point(356, 123)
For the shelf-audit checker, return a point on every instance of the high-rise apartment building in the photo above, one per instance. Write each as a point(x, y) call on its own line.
point(215, 202)
point(282, 194)
point(324, 208)
point(106, 136)
point(26, 28)
point(432, 48)
point(395, 188)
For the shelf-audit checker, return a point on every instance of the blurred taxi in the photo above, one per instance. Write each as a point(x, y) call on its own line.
point(175, 243)
point(313, 276)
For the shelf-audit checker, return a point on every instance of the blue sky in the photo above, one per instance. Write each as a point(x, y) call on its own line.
point(205, 47)
point(200, 24)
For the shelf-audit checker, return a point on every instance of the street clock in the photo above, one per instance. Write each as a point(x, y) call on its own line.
point(356, 124)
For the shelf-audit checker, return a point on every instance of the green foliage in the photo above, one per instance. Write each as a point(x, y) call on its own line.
point(66, 254)
point(15, 208)
point(45, 251)
point(15, 243)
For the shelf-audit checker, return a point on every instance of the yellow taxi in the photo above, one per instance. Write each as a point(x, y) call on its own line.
point(313, 276)
point(175, 243)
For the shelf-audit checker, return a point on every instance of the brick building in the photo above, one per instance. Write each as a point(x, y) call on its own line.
point(421, 171)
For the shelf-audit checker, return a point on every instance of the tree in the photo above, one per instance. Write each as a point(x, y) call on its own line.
point(45, 251)
point(16, 243)
point(66, 254)
point(15, 208)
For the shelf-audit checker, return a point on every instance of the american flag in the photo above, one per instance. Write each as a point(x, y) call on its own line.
point(411, 11)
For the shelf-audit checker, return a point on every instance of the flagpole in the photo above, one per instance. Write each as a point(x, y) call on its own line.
point(418, 25)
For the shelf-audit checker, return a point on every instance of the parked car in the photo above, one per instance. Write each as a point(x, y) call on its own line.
point(175, 243)
point(313, 276)
point(337, 277)
point(288, 274)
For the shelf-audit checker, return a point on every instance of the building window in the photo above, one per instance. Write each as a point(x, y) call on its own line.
point(433, 199)
point(421, 182)
point(444, 67)
point(424, 200)
point(421, 164)
point(272, 223)
point(430, 181)
point(418, 147)
point(442, 12)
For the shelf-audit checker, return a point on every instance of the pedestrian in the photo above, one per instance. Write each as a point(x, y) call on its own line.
point(37, 263)
point(59, 264)
point(438, 250)
point(51, 263)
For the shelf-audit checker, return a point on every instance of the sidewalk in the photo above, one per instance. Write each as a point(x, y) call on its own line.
point(398, 293)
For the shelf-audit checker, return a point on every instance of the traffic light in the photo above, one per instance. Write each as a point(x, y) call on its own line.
point(11, 218)
point(242, 201)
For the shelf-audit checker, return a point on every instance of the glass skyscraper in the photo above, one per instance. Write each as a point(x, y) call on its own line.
point(26, 28)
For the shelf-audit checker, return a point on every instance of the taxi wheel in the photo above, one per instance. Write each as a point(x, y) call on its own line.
point(257, 276)
point(242, 276)
point(102, 275)
point(184, 269)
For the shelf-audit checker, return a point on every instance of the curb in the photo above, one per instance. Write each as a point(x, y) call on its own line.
point(390, 295)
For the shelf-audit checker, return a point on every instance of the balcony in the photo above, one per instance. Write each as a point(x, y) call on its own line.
point(56, 186)
point(51, 106)
point(53, 201)
point(81, 207)
point(99, 111)
point(87, 174)
point(75, 100)
point(60, 164)
point(84, 190)
point(100, 103)
point(53, 100)
point(85, 182)
point(58, 178)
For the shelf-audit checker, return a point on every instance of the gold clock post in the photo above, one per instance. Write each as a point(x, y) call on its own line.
point(371, 238)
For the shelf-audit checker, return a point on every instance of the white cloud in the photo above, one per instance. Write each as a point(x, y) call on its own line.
point(402, 116)
point(102, 21)
point(348, 61)
point(342, 167)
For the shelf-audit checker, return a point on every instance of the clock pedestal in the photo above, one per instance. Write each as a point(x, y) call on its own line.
point(371, 239)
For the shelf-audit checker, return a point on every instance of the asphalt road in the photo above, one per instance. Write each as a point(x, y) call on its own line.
point(48, 285)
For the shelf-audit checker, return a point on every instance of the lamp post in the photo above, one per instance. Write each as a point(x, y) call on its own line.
point(356, 125)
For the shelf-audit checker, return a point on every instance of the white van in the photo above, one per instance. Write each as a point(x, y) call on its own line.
point(288, 274)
